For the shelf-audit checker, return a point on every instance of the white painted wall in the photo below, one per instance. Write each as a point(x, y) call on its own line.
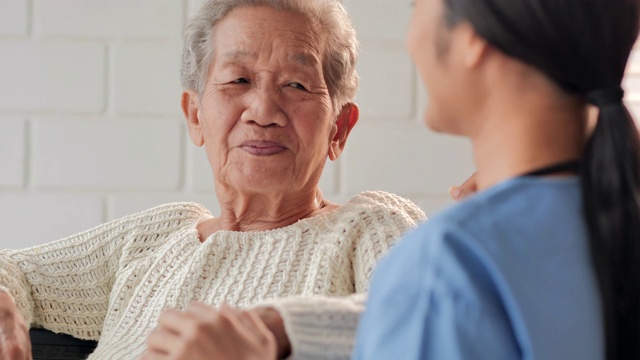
point(91, 130)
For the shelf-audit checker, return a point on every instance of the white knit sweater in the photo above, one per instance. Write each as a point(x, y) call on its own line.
point(111, 282)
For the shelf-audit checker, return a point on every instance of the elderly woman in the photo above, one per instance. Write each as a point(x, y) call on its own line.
point(268, 92)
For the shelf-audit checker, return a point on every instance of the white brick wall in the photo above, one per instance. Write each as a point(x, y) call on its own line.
point(13, 17)
point(139, 67)
point(12, 156)
point(82, 154)
point(51, 76)
point(92, 19)
point(32, 218)
point(631, 83)
point(91, 130)
point(380, 20)
point(386, 66)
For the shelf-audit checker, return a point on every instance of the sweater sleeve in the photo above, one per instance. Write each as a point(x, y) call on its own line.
point(64, 286)
point(325, 327)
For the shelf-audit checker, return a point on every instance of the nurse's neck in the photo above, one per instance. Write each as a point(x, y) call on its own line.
point(526, 129)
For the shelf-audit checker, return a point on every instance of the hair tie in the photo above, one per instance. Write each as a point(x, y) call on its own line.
point(608, 96)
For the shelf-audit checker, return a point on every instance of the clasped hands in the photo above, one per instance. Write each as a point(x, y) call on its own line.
point(198, 332)
point(202, 332)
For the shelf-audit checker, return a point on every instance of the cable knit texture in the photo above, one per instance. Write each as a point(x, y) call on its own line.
point(110, 283)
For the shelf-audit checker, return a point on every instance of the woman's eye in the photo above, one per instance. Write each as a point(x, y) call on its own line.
point(297, 85)
point(240, 81)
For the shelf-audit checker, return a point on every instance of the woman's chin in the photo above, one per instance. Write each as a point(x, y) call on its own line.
point(267, 182)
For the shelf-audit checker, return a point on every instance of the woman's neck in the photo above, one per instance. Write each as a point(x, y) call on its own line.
point(520, 136)
point(259, 212)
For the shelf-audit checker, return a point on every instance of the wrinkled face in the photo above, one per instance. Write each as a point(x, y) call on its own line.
point(266, 114)
point(430, 45)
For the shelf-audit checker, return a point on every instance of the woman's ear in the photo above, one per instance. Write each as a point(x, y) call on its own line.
point(346, 120)
point(191, 110)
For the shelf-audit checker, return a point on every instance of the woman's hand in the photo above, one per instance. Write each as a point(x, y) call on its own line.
point(202, 332)
point(272, 319)
point(467, 188)
point(14, 332)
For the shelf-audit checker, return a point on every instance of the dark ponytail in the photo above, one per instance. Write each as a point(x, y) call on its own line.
point(610, 185)
point(584, 46)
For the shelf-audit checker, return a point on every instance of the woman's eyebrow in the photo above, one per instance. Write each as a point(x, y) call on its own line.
point(235, 56)
point(305, 59)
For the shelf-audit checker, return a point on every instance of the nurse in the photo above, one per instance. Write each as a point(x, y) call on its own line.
point(544, 261)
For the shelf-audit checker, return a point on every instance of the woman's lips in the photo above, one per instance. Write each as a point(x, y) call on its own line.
point(262, 148)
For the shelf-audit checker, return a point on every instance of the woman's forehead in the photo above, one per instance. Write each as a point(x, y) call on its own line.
point(255, 34)
point(265, 22)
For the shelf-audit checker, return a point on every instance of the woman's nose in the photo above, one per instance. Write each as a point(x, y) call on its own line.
point(264, 109)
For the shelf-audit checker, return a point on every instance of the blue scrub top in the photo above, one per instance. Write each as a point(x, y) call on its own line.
point(506, 274)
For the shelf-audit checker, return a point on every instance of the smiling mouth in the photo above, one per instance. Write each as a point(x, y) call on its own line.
point(262, 148)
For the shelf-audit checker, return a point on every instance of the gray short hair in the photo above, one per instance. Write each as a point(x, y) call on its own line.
point(329, 16)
